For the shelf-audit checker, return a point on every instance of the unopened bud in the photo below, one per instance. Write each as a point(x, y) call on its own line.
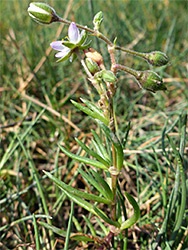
point(150, 80)
point(97, 20)
point(157, 58)
point(108, 76)
point(92, 66)
point(42, 13)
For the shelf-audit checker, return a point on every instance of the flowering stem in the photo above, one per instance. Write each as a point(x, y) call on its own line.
point(102, 37)
point(94, 32)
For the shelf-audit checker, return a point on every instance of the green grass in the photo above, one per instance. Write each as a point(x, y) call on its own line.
point(31, 129)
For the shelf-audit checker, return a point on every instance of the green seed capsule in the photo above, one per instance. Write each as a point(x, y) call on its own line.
point(150, 80)
point(108, 76)
point(92, 66)
point(157, 58)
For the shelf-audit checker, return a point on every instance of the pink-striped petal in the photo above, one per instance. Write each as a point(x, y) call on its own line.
point(57, 45)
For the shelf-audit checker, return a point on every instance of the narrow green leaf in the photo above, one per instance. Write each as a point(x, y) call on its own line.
point(37, 242)
point(94, 115)
point(133, 219)
point(84, 109)
point(97, 147)
point(103, 216)
point(85, 160)
point(104, 184)
point(113, 138)
point(101, 147)
point(73, 191)
point(90, 179)
point(92, 153)
point(92, 106)
point(96, 110)
point(86, 205)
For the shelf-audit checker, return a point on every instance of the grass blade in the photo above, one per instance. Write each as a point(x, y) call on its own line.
point(37, 242)
point(183, 193)
point(39, 187)
point(69, 228)
point(53, 229)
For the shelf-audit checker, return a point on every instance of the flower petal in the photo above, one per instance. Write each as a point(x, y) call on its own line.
point(82, 33)
point(82, 39)
point(57, 45)
point(63, 53)
point(73, 33)
point(65, 56)
point(34, 8)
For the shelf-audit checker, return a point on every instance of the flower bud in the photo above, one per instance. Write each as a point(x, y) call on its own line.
point(157, 58)
point(108, 76)
point(92, 66)
point(42, 13)
point(97, 20)
point(150, 80)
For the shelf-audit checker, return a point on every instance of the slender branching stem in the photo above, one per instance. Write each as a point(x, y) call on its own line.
point(126, 69)
point(94, 32)
point(129, 51)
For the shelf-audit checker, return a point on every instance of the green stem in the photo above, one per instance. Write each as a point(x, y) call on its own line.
point(97, 85)
point(133, 72)
point(94, 32)
point(135, 53)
